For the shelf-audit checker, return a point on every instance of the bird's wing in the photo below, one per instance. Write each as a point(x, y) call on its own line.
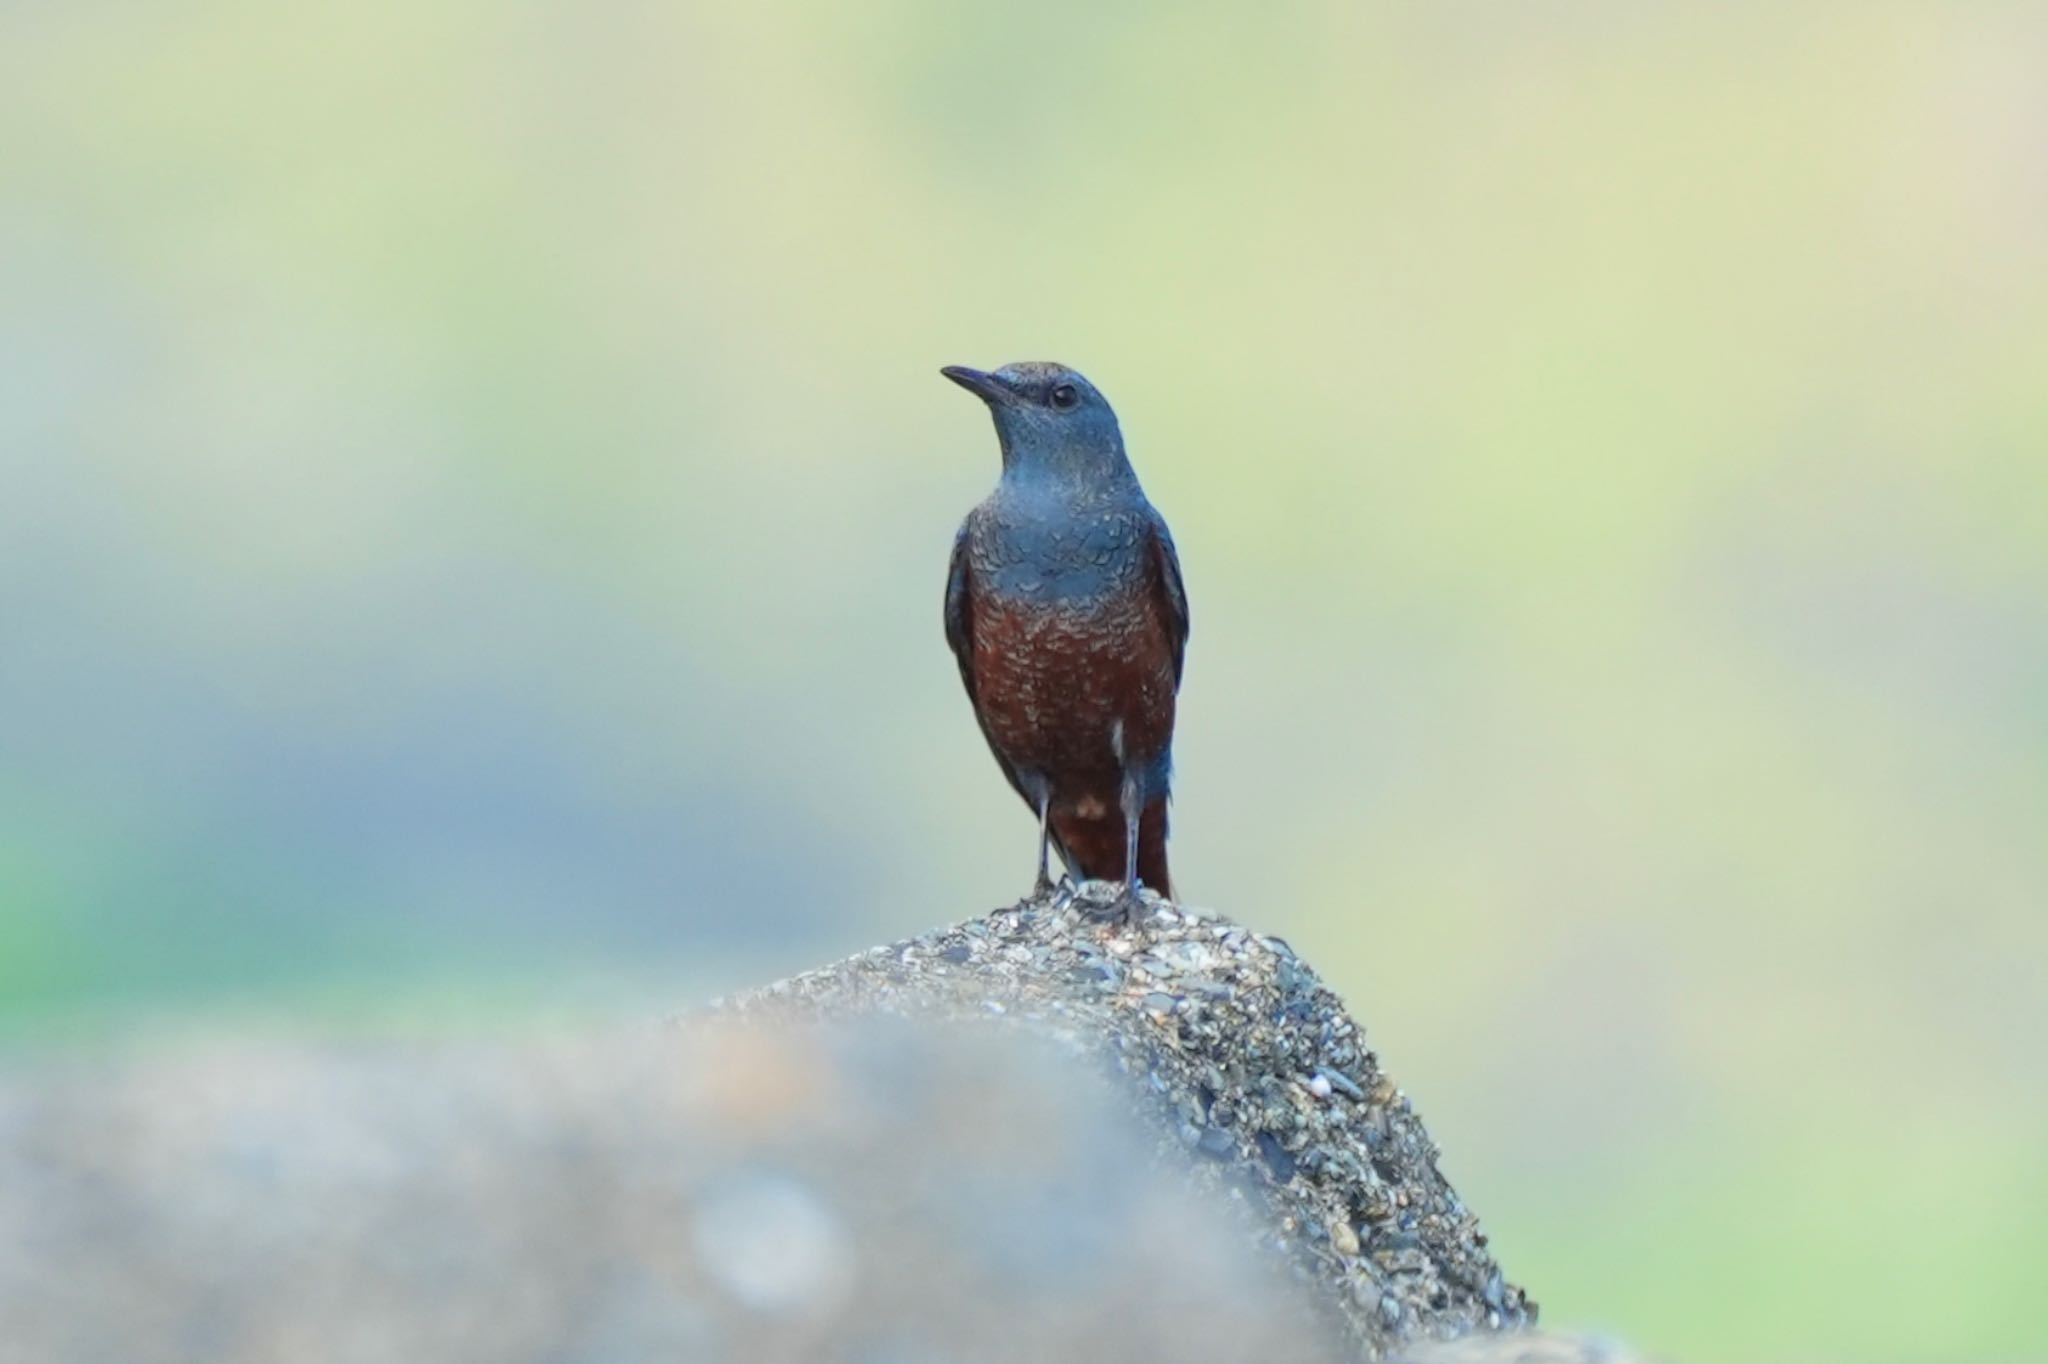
point(960, 616)
point(960, 638)
point(1173, 593)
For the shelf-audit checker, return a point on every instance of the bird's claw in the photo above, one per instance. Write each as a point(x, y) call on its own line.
point(1128, 907)
point(1123, 904)
point(1055, 895)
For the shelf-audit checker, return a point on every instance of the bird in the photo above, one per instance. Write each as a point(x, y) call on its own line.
point(1067, 614)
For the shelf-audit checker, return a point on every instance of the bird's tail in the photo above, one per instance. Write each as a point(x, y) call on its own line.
point(1152, 849)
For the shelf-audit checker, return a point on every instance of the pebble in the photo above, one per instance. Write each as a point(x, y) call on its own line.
point(1495, 1292)
point(1277, 1157)
point(1343, 1083)
point(1184, 956)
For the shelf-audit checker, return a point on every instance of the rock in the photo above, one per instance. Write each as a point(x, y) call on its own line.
point(1035, 1135)
point(1216, 1021)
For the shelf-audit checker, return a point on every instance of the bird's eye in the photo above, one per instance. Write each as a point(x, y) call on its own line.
point(1065, 396)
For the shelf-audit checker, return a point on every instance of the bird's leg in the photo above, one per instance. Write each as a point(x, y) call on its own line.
point(1040, 887)
point(1131, 901)
point(1040, 791)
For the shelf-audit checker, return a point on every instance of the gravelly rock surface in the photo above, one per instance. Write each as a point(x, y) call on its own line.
point(1246, 1062)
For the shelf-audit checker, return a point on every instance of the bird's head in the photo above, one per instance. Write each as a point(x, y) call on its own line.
point(1050, 420)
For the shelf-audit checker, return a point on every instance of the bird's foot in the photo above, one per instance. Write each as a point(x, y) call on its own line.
point(1111, 901)
point(1129, 906)
point(1055, 895)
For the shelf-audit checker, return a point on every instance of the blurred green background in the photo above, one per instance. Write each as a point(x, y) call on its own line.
point(475, 492)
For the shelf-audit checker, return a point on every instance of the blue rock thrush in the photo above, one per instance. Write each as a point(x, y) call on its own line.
point(1065, 609)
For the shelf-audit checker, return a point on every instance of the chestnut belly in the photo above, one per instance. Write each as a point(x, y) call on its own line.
point(1077, 694)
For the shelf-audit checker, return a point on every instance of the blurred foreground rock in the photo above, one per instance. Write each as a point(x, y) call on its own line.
point(870, 1195)
point(1161, 1141)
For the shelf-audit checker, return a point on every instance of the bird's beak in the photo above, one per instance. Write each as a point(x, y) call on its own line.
point(980, 383)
